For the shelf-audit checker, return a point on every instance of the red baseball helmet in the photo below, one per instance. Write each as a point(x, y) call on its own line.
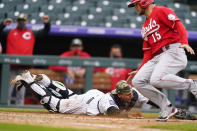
point(142, 3)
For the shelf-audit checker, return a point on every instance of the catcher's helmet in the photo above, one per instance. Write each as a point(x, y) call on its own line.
point(142, 3)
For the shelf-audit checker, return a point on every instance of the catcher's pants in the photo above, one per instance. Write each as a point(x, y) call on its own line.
point(160, 72)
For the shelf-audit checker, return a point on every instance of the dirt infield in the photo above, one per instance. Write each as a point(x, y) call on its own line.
point(84, 122)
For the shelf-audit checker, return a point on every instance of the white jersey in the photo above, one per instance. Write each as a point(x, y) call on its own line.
point(93, 102)
point(82, 104)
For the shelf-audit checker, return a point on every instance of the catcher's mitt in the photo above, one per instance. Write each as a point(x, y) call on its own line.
point(184, 115)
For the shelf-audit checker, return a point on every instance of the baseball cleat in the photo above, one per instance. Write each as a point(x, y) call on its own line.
point(171, 111)
point(193, 88)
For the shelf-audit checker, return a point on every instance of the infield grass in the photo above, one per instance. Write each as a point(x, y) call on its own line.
point(177, 127)
point(22, 127)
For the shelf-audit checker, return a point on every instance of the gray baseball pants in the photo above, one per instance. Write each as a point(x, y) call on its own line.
point(160, 72)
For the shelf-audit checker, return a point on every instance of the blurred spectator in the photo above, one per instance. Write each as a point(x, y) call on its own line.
point(116, 73)
point(20, 41)
point(76, 50)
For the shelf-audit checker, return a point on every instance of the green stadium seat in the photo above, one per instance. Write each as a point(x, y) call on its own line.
point(180, 14)
point(191, 15)
point(27, 9)
point(163, 2)
point(91, 23)
point(119, 11)
point(48, 9)
point(92, 19)
point(84, 4)
point(179, 7)
point(60, 3)
point(106, 10)
point(76, 10)
point(13, 15)
point(36, 2)
point(99, 12)
point(35, 21)
point(117, 24)
point(69, 18)
point(190, 23)
point(35, 17)
point(137, 19)
point(5, 8)
point(107, 3)
point(12, 2)
point(116, 21)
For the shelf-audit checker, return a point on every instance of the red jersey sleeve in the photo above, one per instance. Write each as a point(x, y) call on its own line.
point(147, 54)
point(168, 17)
point(182, 32)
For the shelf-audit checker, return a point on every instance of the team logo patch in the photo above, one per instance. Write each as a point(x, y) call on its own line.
point(27, 35)
point(171, 17)
point(111, 102)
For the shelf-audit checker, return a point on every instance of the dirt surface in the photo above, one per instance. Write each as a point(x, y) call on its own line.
point(86, 122)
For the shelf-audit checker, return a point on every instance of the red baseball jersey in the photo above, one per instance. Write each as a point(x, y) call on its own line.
point(158, 29)
point(20, 42)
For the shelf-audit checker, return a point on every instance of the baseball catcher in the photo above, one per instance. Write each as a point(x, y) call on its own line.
point(55, 97)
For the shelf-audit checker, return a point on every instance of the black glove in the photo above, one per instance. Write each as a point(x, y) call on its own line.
point(184, 115)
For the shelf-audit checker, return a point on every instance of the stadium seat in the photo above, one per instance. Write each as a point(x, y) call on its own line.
point(190, 24)
point(93, 18)
point(36, 2)
point(12, 2)
point(26, 8)
point(69, 19)
point(84, 4)
point(60, 3)
point(35, 18)
point(5, 8)
point(76, 10)
point(179, 7)
point(13, 15)
point(163, 2)
point(191, 15)
point(107, 3)
point(51, 9)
